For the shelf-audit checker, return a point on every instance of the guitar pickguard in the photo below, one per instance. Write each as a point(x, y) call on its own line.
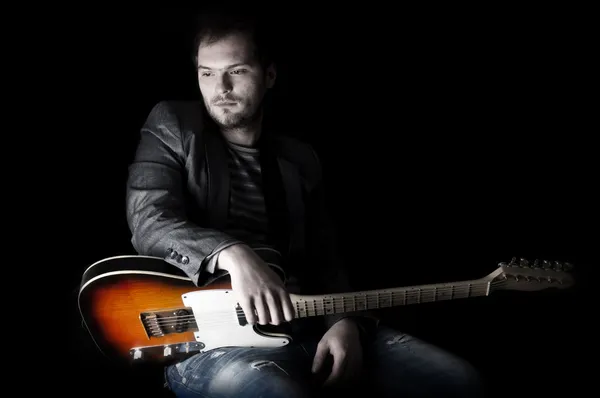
point(221, 322)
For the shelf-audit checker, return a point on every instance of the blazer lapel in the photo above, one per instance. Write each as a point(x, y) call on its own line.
point(293, 194)
point(274, 194)
point(218, 178)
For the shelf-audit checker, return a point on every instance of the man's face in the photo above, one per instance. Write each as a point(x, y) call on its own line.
point(231, 80)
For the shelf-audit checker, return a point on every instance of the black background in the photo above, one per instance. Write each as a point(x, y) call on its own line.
point(451, 140)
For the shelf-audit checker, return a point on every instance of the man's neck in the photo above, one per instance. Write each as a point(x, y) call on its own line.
point(246, 136)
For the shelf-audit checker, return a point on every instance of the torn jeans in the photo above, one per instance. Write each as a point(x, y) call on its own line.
point(395, 364)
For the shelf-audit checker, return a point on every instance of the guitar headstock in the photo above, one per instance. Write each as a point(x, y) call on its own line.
point(521, 274)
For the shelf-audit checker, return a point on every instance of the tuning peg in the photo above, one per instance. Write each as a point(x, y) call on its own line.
point(558, 265)
point(502, 264)
point(523, 262)
point(536, 263)
point(513, 262)
point(546, 264)
point(568, 267)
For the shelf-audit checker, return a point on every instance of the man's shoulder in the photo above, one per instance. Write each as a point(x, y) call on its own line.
point(178, 117)
point(178, 107)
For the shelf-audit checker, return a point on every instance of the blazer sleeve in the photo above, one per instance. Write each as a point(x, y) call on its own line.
point(155, 206)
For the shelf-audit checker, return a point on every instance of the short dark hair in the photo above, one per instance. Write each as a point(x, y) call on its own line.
point(213, 25)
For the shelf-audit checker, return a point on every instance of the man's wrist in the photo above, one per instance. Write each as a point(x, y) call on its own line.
point(351, 322)
point(365, 325)
point(226, 258)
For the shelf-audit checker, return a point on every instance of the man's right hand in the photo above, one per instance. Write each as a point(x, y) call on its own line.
point(257, 286)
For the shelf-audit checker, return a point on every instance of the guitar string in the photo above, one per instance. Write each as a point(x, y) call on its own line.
point(217, 316)
point(368, 300)
point(219, 320)
point(215, 321)
point(424, 295)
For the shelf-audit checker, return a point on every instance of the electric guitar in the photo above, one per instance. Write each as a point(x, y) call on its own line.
point(140, 309)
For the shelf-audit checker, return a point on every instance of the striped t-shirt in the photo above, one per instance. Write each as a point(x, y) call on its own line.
point(247, 215)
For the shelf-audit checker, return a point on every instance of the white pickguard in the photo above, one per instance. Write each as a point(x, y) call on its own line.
point(218, 325)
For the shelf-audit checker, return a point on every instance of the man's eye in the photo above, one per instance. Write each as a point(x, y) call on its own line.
point(239, 71)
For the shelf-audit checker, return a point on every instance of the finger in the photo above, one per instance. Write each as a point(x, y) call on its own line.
point(337, 370)
point(319, 359)
point(274, 308)
point(248, 308)
point(261, 309)
point(287, 306)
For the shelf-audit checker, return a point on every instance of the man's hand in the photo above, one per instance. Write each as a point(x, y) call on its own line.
point(257, 286)
point(342, 341)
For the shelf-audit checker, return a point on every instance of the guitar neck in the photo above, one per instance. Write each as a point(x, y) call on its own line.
point(340, 303)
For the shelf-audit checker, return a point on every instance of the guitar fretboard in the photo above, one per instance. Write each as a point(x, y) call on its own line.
point(317, 305)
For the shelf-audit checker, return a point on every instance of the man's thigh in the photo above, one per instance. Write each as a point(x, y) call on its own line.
point(243, 372)
point(398, 364)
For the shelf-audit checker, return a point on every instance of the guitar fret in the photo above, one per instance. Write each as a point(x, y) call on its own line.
point(330, 308)
point(362, 304)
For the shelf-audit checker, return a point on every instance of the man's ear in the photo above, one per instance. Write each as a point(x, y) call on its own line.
point(271, 75)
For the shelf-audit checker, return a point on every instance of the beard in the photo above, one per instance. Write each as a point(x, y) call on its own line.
point(234, 117)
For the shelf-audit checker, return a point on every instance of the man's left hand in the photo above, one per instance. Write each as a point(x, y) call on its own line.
point(342, 341)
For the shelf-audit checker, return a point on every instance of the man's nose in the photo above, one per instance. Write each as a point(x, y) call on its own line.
point(224, 84)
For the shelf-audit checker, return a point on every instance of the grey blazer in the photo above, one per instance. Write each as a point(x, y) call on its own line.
point(178, 192)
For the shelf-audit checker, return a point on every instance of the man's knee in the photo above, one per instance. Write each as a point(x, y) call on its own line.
point(265, 378)
point(408, 364)
point(243, 377)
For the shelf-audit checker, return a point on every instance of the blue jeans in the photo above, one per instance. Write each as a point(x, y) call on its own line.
point(395, 365)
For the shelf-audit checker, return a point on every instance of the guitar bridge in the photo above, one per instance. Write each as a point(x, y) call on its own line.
point(161, 323)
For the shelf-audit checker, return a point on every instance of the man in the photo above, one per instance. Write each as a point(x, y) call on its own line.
point(212, 192)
